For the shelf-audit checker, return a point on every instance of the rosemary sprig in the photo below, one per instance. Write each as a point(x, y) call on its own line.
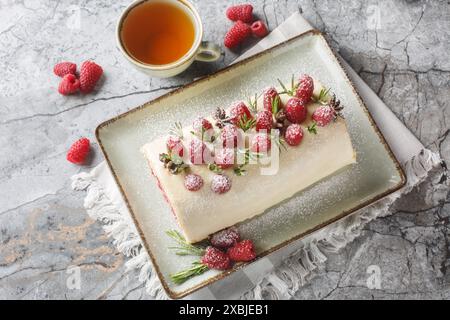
point(201, 135)
point(182, 276)
point(322, 98)
point(246, 123)
point(173, 163)
point(239, 170)
point(313, 128)
point(253, 104)
point(184, 248)
point(248, 155)
point(215, 168)
point(290, 91)
point(177, 130)
point(276, 105)
point(280, 142)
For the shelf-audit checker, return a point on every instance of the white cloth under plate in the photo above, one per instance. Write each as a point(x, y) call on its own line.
point(281, 274)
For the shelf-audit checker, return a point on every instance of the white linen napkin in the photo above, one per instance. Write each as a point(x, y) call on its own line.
point(281, 274)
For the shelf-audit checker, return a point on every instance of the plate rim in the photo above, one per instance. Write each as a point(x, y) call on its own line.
point(178, 295)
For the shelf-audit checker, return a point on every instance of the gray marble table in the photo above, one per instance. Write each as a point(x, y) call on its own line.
point(401, 48)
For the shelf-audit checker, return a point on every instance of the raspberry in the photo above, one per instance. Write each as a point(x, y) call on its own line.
point(239, 111)
point(269, 96)
point(324, 115)
point(69, 84)
point(243, 12)
point(261, 143)
point(90, 73)
point(305, 88)
point(295, 110)
point(220, 184)
point(197, 151)
point(224, 158)
point(237, 34)
point(79, 151)
point(225, 238)
point(215, 259)
point(264, 121)
point(229, 136)
point(193, 182)
point(175, 145)
point(243, 251)
point(63, 68)
point(259, 29)
point(293, 135)
point(201, 125)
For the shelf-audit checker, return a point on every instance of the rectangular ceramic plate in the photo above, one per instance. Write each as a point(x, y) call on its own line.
point(376, 173)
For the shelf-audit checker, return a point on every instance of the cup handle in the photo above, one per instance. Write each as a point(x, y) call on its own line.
point(208, 52)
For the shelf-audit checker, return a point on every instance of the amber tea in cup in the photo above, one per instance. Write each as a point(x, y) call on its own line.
point(162, 38)
point(158, 32)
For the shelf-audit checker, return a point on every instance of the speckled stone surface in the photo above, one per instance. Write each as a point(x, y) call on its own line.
point(399, 47)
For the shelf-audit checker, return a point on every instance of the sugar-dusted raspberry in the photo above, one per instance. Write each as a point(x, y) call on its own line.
point(261, 143)
point(175, 145)
point(264, 121)
point(239, 111)
point(305, 88)
point(294, 134)
point(225, 238)
point(221, 183)
point(193, 182)
point(215, 259)
point(242, 252)
point(269, 96)
point(295, 110)
point(224, 158)
point(229, 136)
point(201, 125)
point(323, 115)
point(197, 151)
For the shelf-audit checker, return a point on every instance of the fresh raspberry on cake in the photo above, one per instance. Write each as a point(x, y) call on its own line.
point(293, 135)
point(90, 73)
point(193, 182)
point(79, 151)
point(225, 238)
point(305, 88)
point(295, 110)
point(215, 259)
point(242, 12)
point(201, 125)
point(220, 183)
point(197, 150)
point(237, 34)
point(260, 143)
point(239, 111)
point(242, 252)
point(323, 116)
point(63, 68)
point(224, 158)
point(259, 29)
point(229, 136)
point(69, 84)
point(175, 145)
point(269, 96)
point(264, 121)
